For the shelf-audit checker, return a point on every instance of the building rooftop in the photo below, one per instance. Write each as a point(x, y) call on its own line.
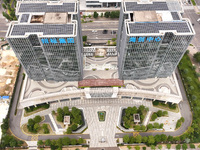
point(46, 7)
point(155, 17)
point(44, 18)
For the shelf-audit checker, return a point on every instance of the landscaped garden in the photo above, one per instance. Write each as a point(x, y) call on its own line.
point(127, 116)
point(101, 115)
point(32, 109)
point(166, 106)
point(76, 117)
point(34, 126)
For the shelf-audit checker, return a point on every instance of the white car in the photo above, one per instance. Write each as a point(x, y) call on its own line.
point(198, 19)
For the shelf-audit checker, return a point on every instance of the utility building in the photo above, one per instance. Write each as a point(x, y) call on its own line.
point(152, 38)
point(47, 40)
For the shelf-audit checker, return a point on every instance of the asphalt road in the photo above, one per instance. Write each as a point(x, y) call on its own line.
point(191, 14)
point(14, 120)
point(185, 112)
point(98, 34)
point(108, 25)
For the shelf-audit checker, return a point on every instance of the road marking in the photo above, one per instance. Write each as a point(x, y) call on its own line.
point(34, 138)
point(135, 134)
point(3, 30)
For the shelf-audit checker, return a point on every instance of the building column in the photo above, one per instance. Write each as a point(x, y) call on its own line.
point(165, 102)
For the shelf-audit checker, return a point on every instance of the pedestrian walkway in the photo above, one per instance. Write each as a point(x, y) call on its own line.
point(89, 102)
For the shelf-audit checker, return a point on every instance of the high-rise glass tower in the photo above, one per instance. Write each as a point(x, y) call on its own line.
point(152, 38)
point(47, 40)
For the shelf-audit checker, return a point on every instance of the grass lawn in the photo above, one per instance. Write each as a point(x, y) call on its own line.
point(33, 112)
point(101, 115)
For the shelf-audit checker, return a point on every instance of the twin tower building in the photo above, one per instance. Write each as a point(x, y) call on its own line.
point(47, 39)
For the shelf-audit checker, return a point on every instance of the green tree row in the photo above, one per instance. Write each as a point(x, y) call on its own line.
point(57, 144)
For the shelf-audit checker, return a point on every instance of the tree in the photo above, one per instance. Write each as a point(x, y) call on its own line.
point(137, 148)
point(150, 140)
point(154, 116)
point(59, 142)
point(66, 110)
point(141, 108)
point(66, 141)
point(73, 142)
point(157, 138)
point(170, 138)
point(150, 126)
point(95, 15)
point(131, 139)
point(37, 119)
point(4, 6)
point(84, 16)
point(153, 147)
point(168, 146)
point(80, 141)
point(48, 142)
point(89, 16)
point(69, 130)
point(159, 113)
point(60, 118)
point(101, 14)
point(196, 56)
point(144, 148)
point(144, 139)
point(160, 147)
point(126, 139)
point(137, 127)
point(13, 143)
point(74, 127)
point(165, 113)
point(129, 147)
point(40, 142)
point(178, 147)
point(107, 14)
point(192, 146)
point(138, 139)
point(114, 14)
point(163, 137)
point(36, 127)
point(31, 122)
point(108, 42)
point(184, 146)
point(156, 125)
point(60, 111)
point(143, 128)
point(161, 126)
point(84, 38)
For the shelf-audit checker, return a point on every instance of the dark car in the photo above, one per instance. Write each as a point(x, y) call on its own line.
point(113, 32)
point(105, 31)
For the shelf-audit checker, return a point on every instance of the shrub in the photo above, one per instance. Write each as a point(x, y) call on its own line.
point(192, 145)
point(155, 103)
point(144, 148)
point(126, 139)
point(154, 117)
point(107, 14)
point(168, 146)
point(84, 38)
point(165, 113)
point(37, 119)
point(69, 130)
point(48, 142)
point(74, 127)
point(159, 113)
point(73, 142)
point(95, 15)
point(53, 112)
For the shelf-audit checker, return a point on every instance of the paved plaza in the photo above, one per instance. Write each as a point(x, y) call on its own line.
point(102, 134)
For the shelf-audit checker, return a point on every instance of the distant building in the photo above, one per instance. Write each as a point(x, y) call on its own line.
point(47, 40)
point(152, 39)
point(103, 3)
